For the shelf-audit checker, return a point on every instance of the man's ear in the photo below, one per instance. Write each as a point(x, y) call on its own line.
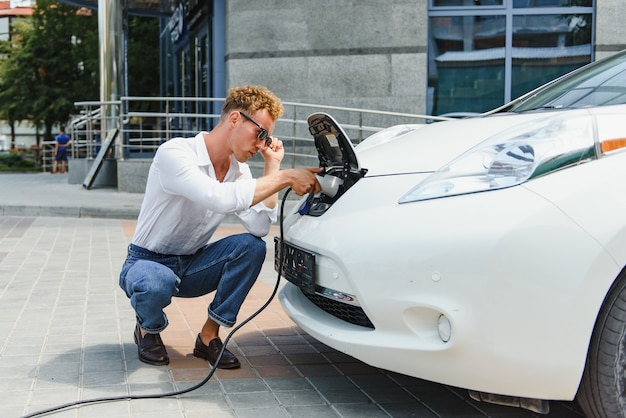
point(233, 117)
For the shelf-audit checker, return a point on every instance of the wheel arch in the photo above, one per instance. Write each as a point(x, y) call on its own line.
point(589, 392)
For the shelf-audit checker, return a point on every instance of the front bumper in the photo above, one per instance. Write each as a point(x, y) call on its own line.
point(521, 313)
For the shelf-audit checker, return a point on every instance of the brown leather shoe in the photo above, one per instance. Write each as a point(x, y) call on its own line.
point(151, 349)
point(211, 351)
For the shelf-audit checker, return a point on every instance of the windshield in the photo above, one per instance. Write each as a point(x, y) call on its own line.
point(599, 84)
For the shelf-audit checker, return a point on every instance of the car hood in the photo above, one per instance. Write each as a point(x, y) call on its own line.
point(426, 148)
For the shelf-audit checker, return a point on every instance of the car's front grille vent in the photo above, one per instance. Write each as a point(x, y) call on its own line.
point(345, 312)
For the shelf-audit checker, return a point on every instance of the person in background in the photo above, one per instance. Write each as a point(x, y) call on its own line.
point(193, 184)
point(62, 141)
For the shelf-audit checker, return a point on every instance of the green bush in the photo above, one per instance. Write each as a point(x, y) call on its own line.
point(14, 162)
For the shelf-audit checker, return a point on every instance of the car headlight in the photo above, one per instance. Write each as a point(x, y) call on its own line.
point(512, 157)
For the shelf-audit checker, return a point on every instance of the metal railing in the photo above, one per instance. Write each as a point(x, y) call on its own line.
point(147, 122)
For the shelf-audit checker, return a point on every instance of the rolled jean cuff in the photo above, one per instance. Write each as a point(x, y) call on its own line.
point(221, 321)
point(155, 330)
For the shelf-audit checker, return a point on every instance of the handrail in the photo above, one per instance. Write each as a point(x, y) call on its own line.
point(147, 122)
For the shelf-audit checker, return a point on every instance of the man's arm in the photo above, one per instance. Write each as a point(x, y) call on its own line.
point(302, 181)
point(274, 179)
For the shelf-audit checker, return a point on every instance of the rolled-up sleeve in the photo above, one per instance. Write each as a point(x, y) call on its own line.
point(258, 219)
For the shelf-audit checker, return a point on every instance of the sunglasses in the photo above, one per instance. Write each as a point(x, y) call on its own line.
point(263, 134)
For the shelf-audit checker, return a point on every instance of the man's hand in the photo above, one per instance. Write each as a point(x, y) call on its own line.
point(301, 181)
point(274, 153)
point(304, 181)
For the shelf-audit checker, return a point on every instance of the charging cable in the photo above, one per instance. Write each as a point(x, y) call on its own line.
point(219, 357)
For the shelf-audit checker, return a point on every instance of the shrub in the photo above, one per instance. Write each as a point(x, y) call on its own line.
point(14, 162)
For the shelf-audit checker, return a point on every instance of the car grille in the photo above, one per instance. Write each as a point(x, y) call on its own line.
point(345, 312)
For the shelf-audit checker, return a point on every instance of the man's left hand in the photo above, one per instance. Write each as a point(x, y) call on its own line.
point(275, 152)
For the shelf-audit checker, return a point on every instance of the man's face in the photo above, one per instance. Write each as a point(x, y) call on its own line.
point(252, 131)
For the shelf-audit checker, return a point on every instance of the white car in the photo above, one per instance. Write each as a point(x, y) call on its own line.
point(485, 253)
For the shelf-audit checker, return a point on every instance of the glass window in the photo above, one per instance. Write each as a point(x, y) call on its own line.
point(539, 56)
point(467, 71)
point(4, 29)
point(481, 59)
point(448, 3)
point(551, 3)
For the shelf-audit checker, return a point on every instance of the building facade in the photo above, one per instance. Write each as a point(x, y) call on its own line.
point(411, 56)
point(415, 56)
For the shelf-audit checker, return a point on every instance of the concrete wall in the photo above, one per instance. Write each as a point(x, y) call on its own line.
point(132, 175)
point(127, 175)
point(78, 168)
point(367, 54)
point(610, 27)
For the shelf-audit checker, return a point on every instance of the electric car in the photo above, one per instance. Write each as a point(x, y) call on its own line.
point(485, 253)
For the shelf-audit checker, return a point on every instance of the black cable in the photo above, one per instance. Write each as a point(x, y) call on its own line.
point(219, 357)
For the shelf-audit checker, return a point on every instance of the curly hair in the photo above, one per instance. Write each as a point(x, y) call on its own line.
point(252, 98)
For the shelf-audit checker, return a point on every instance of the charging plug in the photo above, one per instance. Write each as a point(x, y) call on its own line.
point(329, 184)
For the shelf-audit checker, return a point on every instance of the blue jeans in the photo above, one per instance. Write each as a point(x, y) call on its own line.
point(229, 267)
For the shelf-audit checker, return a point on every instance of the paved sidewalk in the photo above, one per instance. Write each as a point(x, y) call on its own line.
point(66, 331)
point(45, 194)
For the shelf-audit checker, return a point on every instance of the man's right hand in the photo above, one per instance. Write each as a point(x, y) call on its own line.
point(301, 181)
point(304, 181)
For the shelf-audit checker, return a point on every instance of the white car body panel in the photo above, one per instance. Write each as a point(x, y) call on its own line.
point(474, 258)
point(434, 145)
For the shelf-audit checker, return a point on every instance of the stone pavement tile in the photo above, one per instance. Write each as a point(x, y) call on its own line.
point(102, 377)
point(338, 389)
point(564, 410)
point(140, 374)
point(261, 413)
point(265, 360)
point(277, 371)
point(14, 397)
point(262, 349)
point(284, 384)
point(214, 414)
point(119, 389)
point(408, 409)
point(189, 375)
point(252, 400)
point(299, 398)
point(153, 389)
point(109, 410)
point(451, 406)
point(325, 411)
point(235, 386)
point(208, 403)
point(318, 370)
point(300, 359)
point(388, 394)
point(53, 396)
point(359, 410)
point(67, 413)
point(244, 372)
point(165, 407)
point(9, 382)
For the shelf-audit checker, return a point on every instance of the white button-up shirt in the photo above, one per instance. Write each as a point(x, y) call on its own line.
point(184, 203)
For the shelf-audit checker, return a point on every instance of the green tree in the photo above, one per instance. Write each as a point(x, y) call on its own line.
point(54, 63)
point(12, 81)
